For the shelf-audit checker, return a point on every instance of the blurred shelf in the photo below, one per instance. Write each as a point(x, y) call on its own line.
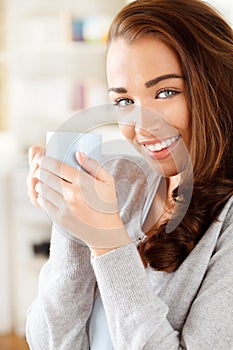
point(77, 60)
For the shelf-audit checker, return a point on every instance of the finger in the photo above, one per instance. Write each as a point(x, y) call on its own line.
point(48, 194)
point(32, 193)
point(33, 168)
point(34, 165)
point(53, 203)
point(33, 151)
point(31, 182)
point(51, 180)
point(33, 155)
point(60, 169)
point(51, 210)
point(93, 167)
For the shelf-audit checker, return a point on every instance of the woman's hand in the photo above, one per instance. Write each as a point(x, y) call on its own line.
point(82, 202)
point(34, 154)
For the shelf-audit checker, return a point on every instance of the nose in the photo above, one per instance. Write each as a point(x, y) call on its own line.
point(145, 122)
point(141, 131)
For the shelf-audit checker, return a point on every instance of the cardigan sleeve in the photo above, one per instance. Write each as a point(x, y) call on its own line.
point(58, 317)
point(137, 317)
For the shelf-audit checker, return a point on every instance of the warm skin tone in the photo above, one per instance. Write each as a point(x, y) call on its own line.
point(147, 74)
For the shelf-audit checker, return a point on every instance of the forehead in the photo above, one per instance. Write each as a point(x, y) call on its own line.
point(144, 59)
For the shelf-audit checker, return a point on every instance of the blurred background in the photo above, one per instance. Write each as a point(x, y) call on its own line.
point(52, 64)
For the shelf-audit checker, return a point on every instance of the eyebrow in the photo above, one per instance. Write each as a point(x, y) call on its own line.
point(119, 90)
point(155, 81)
point(149, 83)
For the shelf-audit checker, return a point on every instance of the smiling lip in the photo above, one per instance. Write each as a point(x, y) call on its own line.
point(161, 150)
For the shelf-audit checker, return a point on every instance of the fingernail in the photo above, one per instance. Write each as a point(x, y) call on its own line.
point(82, 155)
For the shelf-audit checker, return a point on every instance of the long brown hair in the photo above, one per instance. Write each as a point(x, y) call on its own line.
point(203, 41)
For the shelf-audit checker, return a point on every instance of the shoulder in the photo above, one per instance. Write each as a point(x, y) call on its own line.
point(226, 215)
point(134, 181)
point(225, 219)
point(132, 174)
point(221, 230)
point(132, 168)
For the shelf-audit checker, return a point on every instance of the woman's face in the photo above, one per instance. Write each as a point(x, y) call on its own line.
point(148, 74)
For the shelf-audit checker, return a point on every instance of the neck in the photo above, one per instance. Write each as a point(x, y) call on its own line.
point(172, 183)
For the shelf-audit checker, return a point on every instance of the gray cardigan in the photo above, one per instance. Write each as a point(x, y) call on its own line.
point(191, 308)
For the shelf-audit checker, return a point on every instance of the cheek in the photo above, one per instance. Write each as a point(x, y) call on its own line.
point(184, 124)
point(179, 118)
point(128, 131)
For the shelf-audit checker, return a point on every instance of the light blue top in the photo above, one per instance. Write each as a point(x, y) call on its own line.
point(99, 336)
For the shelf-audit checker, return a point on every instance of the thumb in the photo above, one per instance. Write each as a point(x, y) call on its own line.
point(91, 166)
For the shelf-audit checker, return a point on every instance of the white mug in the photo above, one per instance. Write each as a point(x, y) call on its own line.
point(64, 145)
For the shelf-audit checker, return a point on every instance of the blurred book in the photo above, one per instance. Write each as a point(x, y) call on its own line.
point(92, 29)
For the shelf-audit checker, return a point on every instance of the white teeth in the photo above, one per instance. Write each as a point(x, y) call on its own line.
point(156, 147)
point(161, 145)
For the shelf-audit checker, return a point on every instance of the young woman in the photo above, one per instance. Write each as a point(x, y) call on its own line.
point(157, 289)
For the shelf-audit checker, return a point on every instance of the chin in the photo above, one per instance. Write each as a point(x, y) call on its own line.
point(164, 171)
